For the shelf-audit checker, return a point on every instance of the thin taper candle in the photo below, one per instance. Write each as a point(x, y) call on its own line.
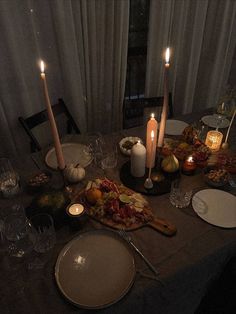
point(55, 135)
point(152, 141)
point(151, 156)
point(166, 101)
point(231, 122)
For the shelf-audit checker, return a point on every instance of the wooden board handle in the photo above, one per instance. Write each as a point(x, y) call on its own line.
point(163, 226)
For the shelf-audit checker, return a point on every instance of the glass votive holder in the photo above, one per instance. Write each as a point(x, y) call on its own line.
point(214, 140)
point(189, 166)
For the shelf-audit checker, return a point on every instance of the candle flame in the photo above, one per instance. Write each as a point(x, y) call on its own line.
point(190, 159)
point(152, 135)
point(152, 115)
point(138, 142)
point(42, 67)
point(167, 57)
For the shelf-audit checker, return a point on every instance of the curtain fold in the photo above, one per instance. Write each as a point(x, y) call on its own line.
point(84, 45)
point(202, 43)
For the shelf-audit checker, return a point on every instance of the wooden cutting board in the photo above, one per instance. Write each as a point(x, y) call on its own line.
point(159, 224)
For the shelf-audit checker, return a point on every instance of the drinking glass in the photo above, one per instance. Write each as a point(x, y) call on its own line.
point(17, 232)
point(180, 195)
point(9, 179)
point(94, 146)
point(98, 151)
point(109, 157)
point(43, 232)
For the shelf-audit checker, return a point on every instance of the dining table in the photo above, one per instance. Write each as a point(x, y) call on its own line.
point(188, 262)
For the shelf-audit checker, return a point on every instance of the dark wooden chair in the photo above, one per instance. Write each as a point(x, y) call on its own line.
point(136, 111)
point(41, 117)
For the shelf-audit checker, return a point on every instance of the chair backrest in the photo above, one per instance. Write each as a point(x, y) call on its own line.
point(41, 117)
point(137, 111)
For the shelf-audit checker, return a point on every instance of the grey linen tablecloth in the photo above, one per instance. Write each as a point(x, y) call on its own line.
point(188, 262)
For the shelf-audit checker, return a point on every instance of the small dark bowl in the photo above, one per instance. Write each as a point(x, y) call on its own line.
point(51, 202)
point(39, 181)
point(223, 180)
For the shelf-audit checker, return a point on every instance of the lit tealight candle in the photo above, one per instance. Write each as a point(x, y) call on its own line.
point(189, 166)
point(76, 210)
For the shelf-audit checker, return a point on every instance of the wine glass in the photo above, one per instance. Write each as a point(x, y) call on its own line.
point(221, 114)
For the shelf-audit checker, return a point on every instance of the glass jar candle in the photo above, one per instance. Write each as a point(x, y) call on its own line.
point(189, 166)
point(214, 140)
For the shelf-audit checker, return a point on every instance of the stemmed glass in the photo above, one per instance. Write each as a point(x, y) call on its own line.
point(222, 112)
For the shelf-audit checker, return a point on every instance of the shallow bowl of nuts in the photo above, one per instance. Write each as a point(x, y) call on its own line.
point(216, 177)
point(39, 181)
point(127, 143)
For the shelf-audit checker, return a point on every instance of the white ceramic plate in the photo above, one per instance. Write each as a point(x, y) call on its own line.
point(96, 269)
point(212, 122)
point(132, 139)
point(74, 153)
point(175, 127)
point(216, 207)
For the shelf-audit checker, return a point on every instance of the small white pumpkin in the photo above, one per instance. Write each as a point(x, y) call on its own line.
point(74, 173)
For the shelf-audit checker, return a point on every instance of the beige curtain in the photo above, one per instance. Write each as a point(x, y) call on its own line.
point(84, 45)
point(201, 34)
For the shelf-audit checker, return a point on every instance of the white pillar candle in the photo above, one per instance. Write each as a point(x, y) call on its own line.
point(138, 160)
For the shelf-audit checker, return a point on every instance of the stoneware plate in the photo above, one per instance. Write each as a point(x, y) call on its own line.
point(74, 153)
point(95, 269)
point(216, 207)
point(175, 127)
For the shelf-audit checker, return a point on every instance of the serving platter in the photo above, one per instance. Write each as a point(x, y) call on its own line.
point(96, 269)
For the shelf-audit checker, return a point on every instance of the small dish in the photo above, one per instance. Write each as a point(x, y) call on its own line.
point(39, 180)
point(127, 143)
point(216, 177)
